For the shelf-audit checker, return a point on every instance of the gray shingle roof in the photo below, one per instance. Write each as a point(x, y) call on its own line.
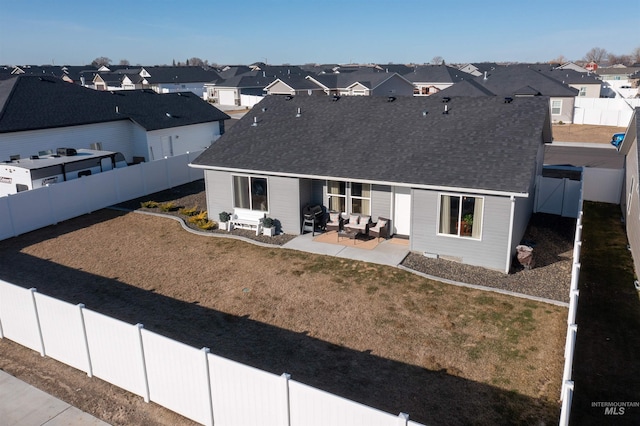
point(436, 74)
point(481, 143)
point(509, 80)
point(31, 103)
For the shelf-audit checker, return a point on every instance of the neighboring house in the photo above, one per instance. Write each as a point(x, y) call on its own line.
point(45, 113)
point(630, 199)
point(293, 85)
point(573, 66)
point(364, 83)
point(479, 69)
point(587, 84)
point(230, 90)
point(430, 79)
point(526, 81)
point(619, 81)
point(400, 158)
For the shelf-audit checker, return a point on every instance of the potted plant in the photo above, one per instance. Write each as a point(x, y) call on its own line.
point(467, 221)
point(224, 221)
point(268, 227)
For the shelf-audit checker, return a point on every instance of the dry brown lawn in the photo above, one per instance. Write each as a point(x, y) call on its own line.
point(584, 133)
point(374, 334)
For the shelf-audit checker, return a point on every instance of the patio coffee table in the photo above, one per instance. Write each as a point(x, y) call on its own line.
point(348, 233)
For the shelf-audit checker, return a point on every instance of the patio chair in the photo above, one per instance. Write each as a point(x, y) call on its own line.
point(335, 222)
point(381, 228)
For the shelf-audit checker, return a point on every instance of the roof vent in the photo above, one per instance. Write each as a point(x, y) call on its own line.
point(424, 113)
point(446, 109)
point(288, 97)
point(446, 99)
point(508, 100)
point(299, 113)
point(264, 109)
point(255, 122)
point(391, 98)
point(335, 98)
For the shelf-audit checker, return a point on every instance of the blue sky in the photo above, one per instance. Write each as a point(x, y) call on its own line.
point(156, 32)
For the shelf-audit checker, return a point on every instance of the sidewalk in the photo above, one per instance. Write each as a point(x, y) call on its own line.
point(23, 405)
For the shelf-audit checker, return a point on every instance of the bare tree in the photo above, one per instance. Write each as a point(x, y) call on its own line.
point(635, 55)
point(124, 62)
point(559, 60)
point(195, 62)
point(619, 59)
point(596, 54)
point(437, 60)
point(101, 61)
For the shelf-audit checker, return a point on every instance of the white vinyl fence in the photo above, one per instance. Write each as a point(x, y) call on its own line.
point(566, 393)
point(201, 386)
point(604, 111)
point(30, 210)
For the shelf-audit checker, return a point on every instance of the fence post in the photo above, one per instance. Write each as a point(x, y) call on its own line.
point(577, 246)
point(572, 331)
point(35, 311)
point(573, 306)
point(287, 402)
point(206, 351)
point(403, 419)
point(147, 398)
point(86, 340)
point(567, 391)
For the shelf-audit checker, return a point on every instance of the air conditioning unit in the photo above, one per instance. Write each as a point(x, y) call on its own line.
point(66, 151)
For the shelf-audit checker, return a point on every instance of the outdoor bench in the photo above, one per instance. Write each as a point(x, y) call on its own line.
point(247, 219)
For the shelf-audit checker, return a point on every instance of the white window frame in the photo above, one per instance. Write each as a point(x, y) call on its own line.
point(557, 102)
point(349, 197)
point(583, 91)
point(250, 181)
point(457, 234)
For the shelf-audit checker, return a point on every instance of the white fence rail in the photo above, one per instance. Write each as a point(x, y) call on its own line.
point(194, 383)
point(604, 111)
point(566, 393)
point(37, 208)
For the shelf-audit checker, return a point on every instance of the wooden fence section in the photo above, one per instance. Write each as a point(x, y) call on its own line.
point(37, 208)
point(201, 386)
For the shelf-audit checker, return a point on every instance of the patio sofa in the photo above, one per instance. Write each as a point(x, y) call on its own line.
point(358, 223)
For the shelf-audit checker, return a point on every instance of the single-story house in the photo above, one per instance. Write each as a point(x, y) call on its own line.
point(430, 79)
point(364, 83)
point(630, 199)
point(47, 113)
point(427, 164)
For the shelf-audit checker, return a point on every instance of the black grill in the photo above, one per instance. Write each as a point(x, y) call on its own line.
point(314, 218)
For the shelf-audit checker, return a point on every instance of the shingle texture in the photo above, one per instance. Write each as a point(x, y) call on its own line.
point(32, 103)
point(481, 143)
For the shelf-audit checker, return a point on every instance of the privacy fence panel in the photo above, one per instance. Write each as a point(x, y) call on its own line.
point(116, 352)
point(178, 376)
point(63, 331)
point(244, 395)
point(603, 185)
point(30, 210)
point(18, 316)
point(156, 177)
point(6, 224)
point(314, 407)
point(178, 170)
point(130, 182)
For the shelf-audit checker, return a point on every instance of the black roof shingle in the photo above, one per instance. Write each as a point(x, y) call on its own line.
point(482, 143)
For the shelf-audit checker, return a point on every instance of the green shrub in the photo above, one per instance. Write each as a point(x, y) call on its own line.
point(268, 222)
point(224, 216)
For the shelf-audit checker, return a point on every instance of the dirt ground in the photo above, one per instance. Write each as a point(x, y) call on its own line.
point(370, 333)
point(584, 133)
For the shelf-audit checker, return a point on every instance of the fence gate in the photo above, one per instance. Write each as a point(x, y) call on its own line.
point(558, 192)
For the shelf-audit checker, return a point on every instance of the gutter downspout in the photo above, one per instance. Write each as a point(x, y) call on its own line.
point(511, 216)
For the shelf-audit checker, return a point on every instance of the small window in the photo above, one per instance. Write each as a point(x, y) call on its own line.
point(250, 193)
point(556, 107)
point(361, 198)
point(583, 91)
point(337, 194)
point(461, 216)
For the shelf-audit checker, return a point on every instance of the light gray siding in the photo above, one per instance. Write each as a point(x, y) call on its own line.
point(489, 252)
point(219, 189)
point(630, 200)
point(285, 203)
point(380, 202)
point(566, 112)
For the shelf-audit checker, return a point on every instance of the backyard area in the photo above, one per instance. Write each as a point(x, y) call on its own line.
point(374, 334)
